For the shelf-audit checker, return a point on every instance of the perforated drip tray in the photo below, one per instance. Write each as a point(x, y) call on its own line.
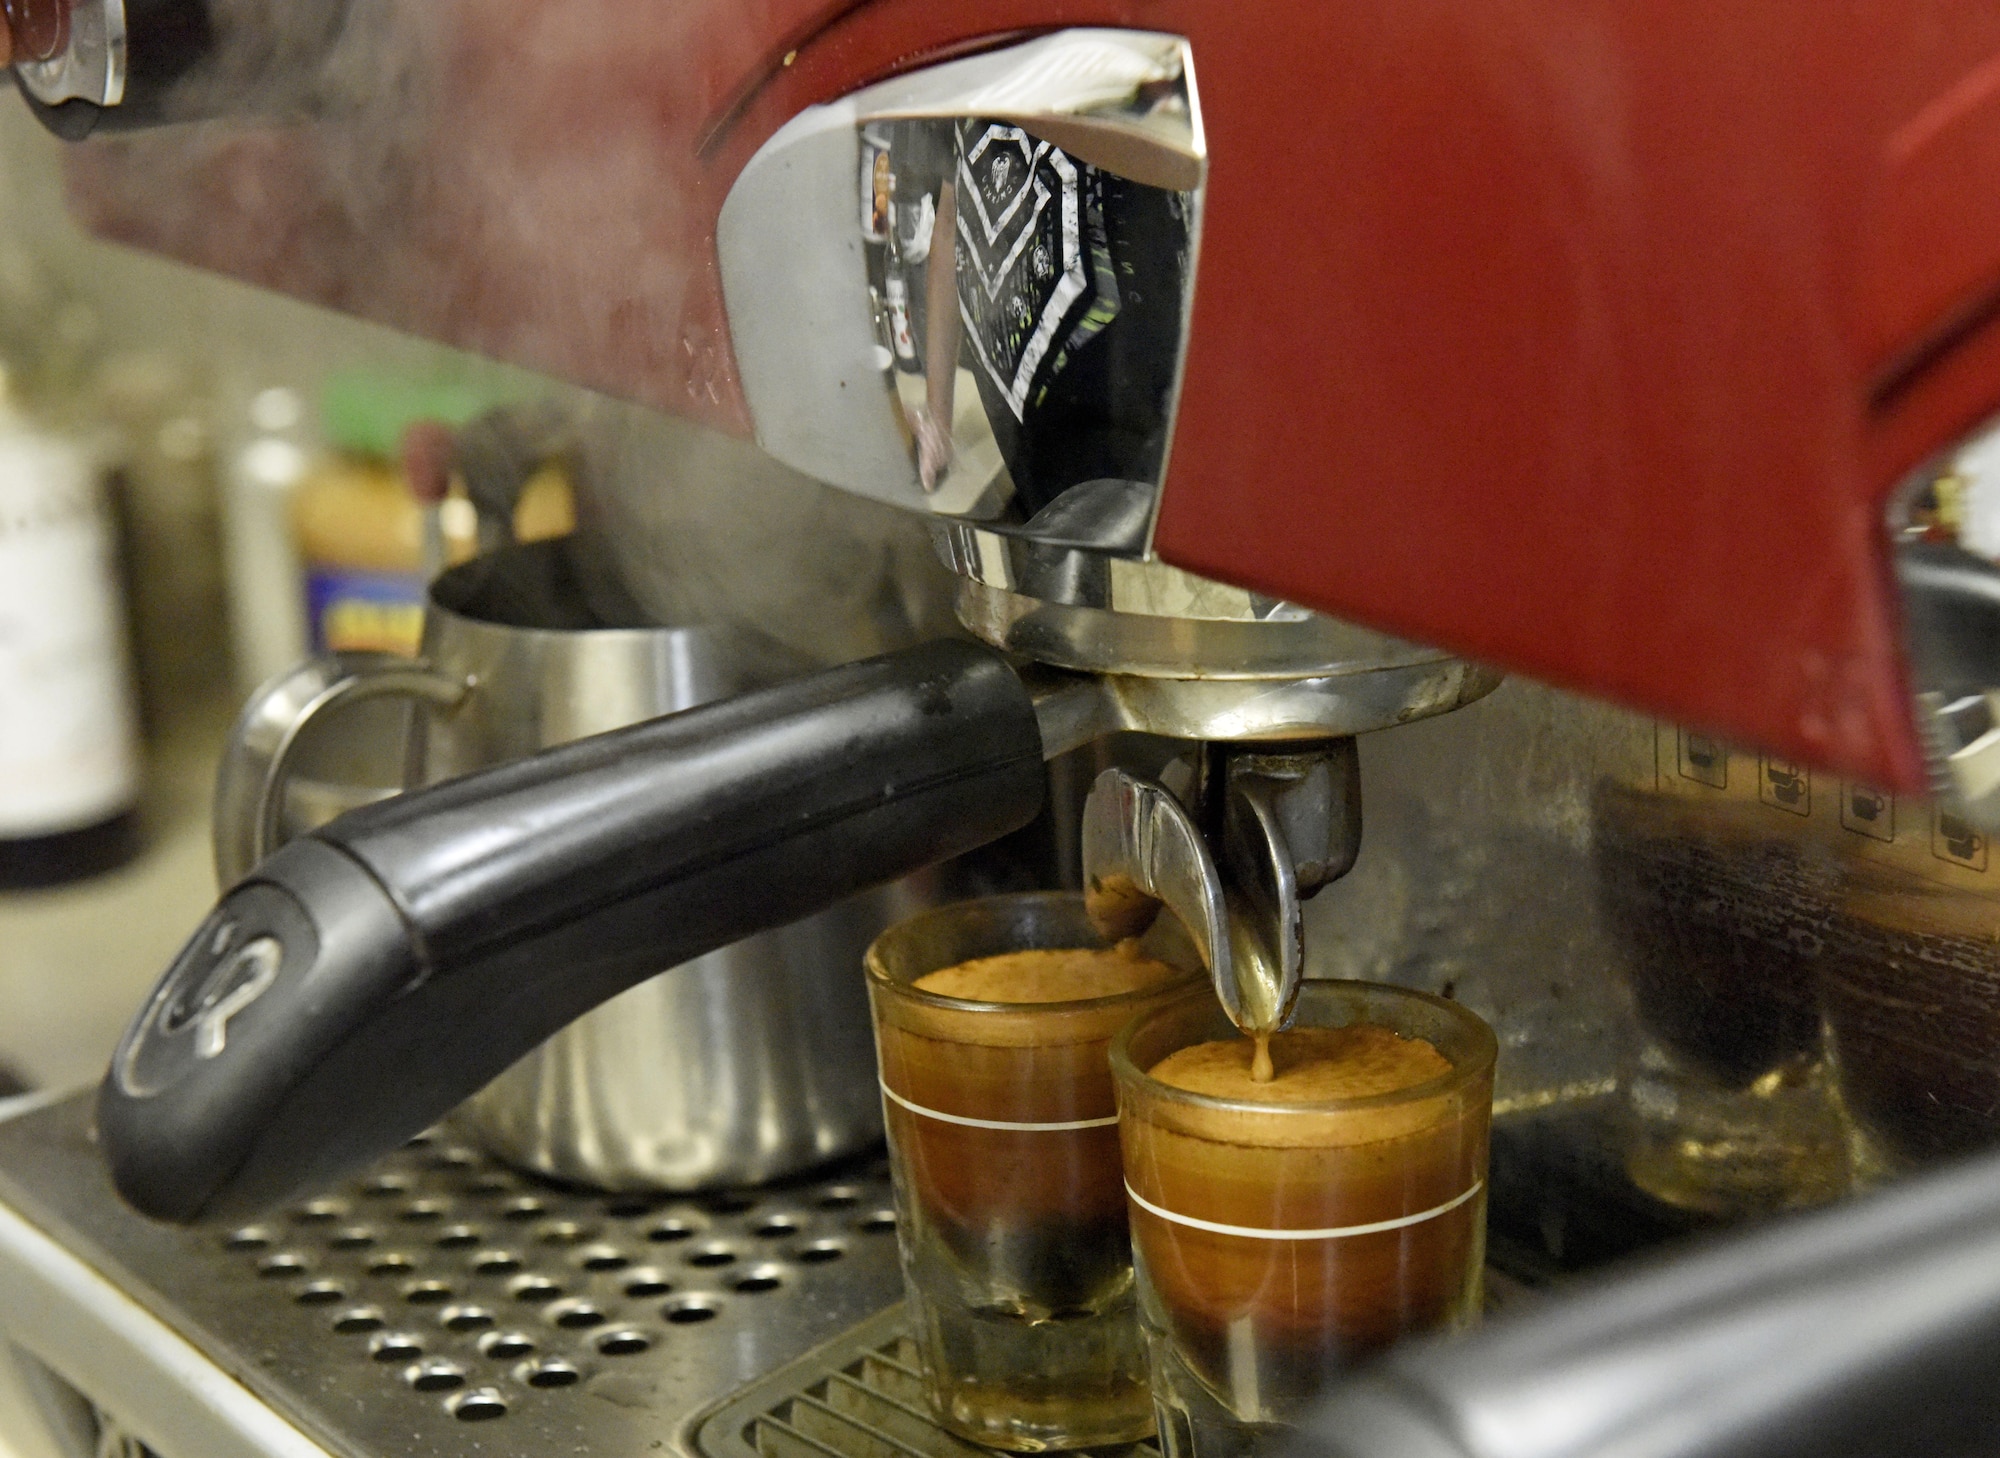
point(859, 1396)
point(445, 1305)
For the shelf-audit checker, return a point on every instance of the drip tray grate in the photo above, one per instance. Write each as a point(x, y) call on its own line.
point(443, 1304)
point(859, 1396)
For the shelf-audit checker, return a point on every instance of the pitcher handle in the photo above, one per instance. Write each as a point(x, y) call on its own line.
point(256, 761)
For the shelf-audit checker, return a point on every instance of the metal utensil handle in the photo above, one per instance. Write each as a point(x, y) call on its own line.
point(256, 762)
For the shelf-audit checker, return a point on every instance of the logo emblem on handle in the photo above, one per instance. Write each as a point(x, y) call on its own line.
point(238, 979)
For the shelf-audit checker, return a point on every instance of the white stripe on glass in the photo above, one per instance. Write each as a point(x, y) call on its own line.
point(998, 1123)
point(1331, 1233)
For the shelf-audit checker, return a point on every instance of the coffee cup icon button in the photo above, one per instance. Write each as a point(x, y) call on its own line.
point(1868, 811)
point(1787, 786)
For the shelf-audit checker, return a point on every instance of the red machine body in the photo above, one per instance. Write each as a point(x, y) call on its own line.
point(1586, 337)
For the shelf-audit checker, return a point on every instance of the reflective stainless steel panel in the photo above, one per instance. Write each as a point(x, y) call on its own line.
point(964, 290)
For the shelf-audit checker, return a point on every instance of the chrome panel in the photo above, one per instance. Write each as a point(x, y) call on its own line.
point(1000, 163)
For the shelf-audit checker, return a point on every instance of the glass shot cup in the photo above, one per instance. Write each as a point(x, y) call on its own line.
point(1003, 1146)
point(1276, 1245)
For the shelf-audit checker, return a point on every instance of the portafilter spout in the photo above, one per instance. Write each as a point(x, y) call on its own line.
point(1286, 821)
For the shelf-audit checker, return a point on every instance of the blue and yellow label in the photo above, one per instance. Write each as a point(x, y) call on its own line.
point(350, 611)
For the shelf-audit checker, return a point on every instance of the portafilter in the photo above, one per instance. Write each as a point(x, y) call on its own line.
point(364, 979)
point(367, 977)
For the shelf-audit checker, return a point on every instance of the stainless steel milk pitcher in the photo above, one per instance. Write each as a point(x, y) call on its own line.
point(737, 1067)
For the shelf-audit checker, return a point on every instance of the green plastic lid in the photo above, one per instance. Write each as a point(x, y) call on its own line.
point(366, 413)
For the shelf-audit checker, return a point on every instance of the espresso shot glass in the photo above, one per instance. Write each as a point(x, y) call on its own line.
point(1280, 1237)
point(1003, 1144)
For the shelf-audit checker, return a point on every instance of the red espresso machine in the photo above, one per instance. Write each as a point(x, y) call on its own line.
point(1533, 333)
point(1643, 351)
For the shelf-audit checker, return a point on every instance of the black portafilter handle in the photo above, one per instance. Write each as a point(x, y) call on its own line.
point(1871, 1330)
point(369, 976)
